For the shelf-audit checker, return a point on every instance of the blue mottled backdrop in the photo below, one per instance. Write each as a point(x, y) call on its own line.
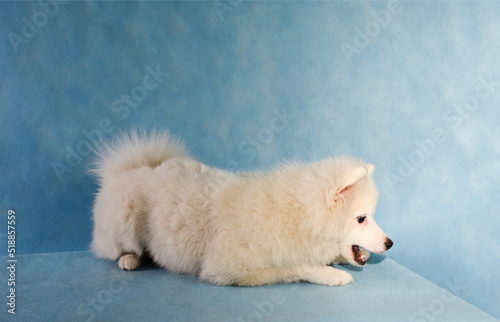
point(413, 87)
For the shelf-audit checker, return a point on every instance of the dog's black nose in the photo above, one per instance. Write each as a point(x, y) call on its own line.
point(388, 243)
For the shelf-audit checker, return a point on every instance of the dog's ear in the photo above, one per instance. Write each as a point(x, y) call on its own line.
point(338, 192)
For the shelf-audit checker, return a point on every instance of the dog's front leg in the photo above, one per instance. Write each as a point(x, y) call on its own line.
point(326, 275)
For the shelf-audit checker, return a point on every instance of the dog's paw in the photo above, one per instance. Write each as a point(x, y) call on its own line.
point(342, 278)
point(329, 276)
point(129, 262)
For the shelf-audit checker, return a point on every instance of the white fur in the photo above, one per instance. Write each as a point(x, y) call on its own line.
point(250, 229)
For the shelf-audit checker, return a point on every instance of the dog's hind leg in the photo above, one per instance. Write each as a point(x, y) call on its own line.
point(133, 229)
point(129, 262)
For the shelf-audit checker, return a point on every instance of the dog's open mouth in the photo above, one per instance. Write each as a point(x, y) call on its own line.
point(358, 255)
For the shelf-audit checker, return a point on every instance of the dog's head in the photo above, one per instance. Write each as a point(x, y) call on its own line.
point(340, 196)
point(356, 199)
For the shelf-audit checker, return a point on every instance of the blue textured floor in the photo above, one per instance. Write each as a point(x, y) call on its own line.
point(76, 286)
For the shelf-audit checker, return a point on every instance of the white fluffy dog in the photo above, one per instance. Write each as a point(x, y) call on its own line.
point(249, 229)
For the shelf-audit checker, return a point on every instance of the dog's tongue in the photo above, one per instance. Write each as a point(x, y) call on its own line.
point(358, 255)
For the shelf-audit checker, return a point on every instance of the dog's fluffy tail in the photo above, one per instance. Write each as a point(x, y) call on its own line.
point(135, 150)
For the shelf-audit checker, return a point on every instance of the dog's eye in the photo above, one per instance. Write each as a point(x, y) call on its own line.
point(361, 219)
